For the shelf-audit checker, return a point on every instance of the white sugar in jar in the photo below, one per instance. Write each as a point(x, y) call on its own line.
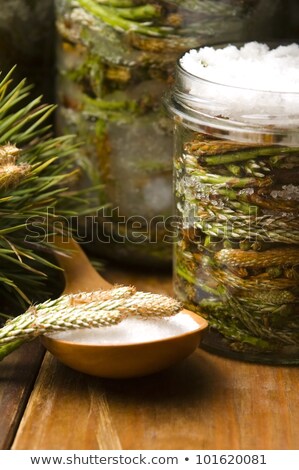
point(236, 113)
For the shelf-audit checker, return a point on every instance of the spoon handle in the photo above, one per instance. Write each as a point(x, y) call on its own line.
point(79, 273)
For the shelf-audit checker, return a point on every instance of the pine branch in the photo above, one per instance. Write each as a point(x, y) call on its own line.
point(37, 173)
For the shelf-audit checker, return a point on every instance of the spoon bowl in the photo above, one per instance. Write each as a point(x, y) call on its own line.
point(121, 360)
point(126, 360)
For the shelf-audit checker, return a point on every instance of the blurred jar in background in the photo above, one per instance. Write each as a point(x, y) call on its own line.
point(115, 61)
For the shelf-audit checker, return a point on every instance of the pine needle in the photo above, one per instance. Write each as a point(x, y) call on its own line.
point(37, 172)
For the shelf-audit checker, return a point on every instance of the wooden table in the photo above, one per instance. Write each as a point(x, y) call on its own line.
point(206, 402)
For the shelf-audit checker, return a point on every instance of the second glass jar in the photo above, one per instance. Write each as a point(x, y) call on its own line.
point(115, 60)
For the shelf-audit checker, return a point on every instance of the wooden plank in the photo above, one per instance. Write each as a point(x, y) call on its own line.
point(67, 410)
point(206, 402)
point(18, 372)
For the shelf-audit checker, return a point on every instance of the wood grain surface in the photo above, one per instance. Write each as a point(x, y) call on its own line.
point(17, 375)
point(206, 402)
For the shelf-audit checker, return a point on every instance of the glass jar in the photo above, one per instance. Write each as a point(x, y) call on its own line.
point(237, 193)
point(115, 60)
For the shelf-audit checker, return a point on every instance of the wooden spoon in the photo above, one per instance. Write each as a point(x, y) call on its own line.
point(113, 361)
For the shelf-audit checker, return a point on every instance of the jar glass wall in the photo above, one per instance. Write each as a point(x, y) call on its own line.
point(115, 60)
point(237, 193)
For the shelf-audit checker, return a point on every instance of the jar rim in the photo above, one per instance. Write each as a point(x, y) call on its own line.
point(181, 69)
